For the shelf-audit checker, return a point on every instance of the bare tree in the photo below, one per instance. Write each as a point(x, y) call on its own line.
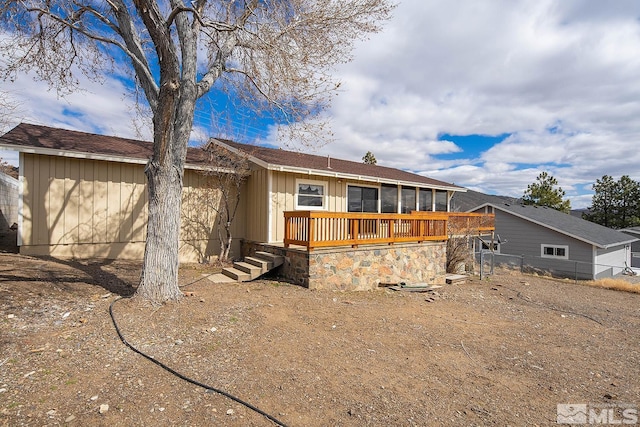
point(274, 55)
point(8, 109)
point(7, 168)
point(230, 174)
point(462, 231)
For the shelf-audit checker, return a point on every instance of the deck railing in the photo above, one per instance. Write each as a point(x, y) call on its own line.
point(314, 229)
point(463, 223)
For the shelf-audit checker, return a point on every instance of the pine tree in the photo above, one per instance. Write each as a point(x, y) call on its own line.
point(369, 158)
point(615, 204)
point(543, 193)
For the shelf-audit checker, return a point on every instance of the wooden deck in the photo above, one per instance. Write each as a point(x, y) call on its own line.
point(313, 229)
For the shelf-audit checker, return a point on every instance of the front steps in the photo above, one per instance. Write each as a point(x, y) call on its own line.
point(249, 269)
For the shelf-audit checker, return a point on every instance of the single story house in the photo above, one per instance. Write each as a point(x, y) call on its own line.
point(338, 224)
point(635, 246)
point(550, 240)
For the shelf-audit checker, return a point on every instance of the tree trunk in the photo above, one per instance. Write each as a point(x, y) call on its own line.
point(159, 278)
point(172, 127)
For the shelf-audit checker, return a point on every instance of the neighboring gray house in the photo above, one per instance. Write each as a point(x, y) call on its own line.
point(8, 201)
point(635, 246)
point(551, 240)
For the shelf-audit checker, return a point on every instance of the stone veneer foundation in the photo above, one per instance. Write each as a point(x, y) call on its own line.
point(359, 269)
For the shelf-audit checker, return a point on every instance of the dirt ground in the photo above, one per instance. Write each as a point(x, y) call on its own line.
point(504, 351)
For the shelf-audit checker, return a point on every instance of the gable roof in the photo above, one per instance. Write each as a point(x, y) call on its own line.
point(577, 228)
point(631, 230)
point(569, 225)
point(464, 202)
point(291, 161)
point(37, 139)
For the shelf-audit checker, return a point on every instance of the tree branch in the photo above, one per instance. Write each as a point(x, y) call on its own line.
point(134, 49)
point(270, 100)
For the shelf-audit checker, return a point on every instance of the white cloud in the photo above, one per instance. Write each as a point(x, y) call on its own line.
point(563, 78)
point(102, 107)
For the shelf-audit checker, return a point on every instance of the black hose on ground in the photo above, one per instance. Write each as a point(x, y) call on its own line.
point(184, 377)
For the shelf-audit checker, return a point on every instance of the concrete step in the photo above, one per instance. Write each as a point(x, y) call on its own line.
point(221, 278)
point(277, 260)
point(236, 274)
point(253, 270)
point(264, 264)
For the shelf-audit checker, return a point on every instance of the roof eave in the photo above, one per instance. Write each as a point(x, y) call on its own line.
point(573, 236)
point(367, 178)
point(341, 175)
point(94, 156)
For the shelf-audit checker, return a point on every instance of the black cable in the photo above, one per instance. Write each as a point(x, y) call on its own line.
point(184, 377)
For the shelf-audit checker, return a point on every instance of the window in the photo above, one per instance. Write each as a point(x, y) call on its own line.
point(389, 199)
point(441, 200)
point(362, 199)
point(426, 200)
point(496, 246)
point(311, 195)
point(408, 200)
point(555, 251)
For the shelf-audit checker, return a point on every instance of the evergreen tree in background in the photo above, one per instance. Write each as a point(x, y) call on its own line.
point(615, 204)
point(369, 158)
point(543, 193)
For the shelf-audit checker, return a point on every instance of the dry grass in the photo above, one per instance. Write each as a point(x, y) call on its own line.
point(609, 283)
point(616, 284)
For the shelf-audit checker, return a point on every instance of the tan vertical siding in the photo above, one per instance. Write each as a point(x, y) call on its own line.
point(126, 202)
point(257, 205)
point(100, 197)
point(70, 213)
point(113, 202)
point(26, 222)
point(86, 208)
point(284, 193)
point(139, 213)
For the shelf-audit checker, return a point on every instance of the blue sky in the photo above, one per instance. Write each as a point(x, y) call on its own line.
point(481, 94)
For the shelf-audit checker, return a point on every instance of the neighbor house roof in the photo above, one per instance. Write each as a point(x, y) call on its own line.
point(464, 202)
point(577, 228)
point(631, 230)
point(569, 225)
point(291, 161)
point(37, 139)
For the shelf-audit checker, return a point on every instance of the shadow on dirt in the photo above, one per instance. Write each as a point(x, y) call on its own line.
point(94, 271)
point(99, 276)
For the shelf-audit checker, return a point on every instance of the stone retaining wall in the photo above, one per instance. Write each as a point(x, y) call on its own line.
point(361, 268)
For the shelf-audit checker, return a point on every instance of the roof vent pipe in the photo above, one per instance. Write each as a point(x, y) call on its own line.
point(328, 162)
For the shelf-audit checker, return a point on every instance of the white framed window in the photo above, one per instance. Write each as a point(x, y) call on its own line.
point(554, 251)
point(311, 195)
point(496, 246)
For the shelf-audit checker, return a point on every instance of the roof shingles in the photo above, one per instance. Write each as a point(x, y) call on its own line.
point(279, 157)
point(57, 141)
point(47, 138)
